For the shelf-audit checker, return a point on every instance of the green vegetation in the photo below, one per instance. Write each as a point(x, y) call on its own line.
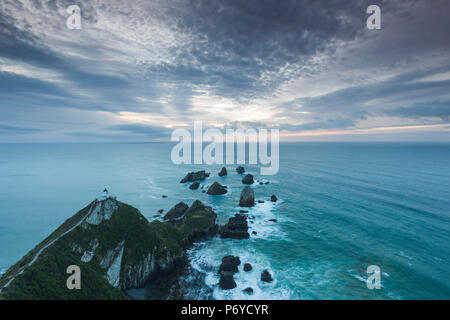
point(143, 240)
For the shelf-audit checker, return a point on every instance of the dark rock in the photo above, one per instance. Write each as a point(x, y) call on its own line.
point(248, 291)
point(176, 212)
point(203, 191)
point(223, 172)
point(240, 169)
point(261, 183)
point(260, 201)
point(273, 198)
point(273, 220)
point(156, 216)
point(227, 281)
point(247, 197)
point(216, 189)
point(243, 211)
point(229, 264)
point(266, 276)
point(236, 228)
point(198, 215)
point(195, 176)
point(267, 182)
point(194, 186)
point(248, 179)
point(164, 196)
point(160, 210)
point(255, 233)
point(247, 267)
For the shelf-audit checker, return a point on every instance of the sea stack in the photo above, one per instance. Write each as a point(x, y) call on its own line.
point(266, 276)
point(223, 172)
point(194, 186)
point(240, 170)
point(216, 189)
point(236, 228)
point(227, 269)
point(247, 197)
point(248, 179)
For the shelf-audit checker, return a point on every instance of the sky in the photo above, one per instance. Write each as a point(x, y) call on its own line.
point(137, 70)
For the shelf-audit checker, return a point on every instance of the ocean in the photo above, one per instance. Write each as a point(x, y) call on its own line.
point(342, 207)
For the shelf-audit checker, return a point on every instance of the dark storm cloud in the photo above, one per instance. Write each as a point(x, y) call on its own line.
point(239, 40)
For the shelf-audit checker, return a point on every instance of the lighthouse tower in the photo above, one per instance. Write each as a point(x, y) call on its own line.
point(104, 195)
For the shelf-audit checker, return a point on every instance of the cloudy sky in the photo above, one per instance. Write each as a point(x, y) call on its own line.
point(138, 69)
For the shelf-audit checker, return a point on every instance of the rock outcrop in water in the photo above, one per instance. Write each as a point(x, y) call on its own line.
point(216, 189)
point(194, 186)
point(223, 172)
point(273, 198)
point(247, 267)
point(195, 176)
point(236, 228)
point(247, 197)
point(227, 269)
point(266, 276)
point(240, 170)
point(115, 247)
point(176, 212)
point(248, 179)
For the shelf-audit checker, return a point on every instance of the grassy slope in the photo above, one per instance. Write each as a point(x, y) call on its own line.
point(46, 278)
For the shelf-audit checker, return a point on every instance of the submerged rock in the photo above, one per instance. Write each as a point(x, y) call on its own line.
point(247, 267)
point(194, 186)
point(248, 179)
point(216, 189)
point(240, 170)
point(273, 220)
point(247, 197)
point(223, 172)
point(160, 210)
point(266, 276)
point(236, 228)
point(176, 212)
point(248, 291)
point(260, 201)
point(273, 198)
point(195, 176)
point(164, 196)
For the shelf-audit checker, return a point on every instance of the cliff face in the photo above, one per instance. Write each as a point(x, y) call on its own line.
point(115, 247)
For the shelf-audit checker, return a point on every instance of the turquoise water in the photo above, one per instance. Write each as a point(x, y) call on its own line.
point(343, 207)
